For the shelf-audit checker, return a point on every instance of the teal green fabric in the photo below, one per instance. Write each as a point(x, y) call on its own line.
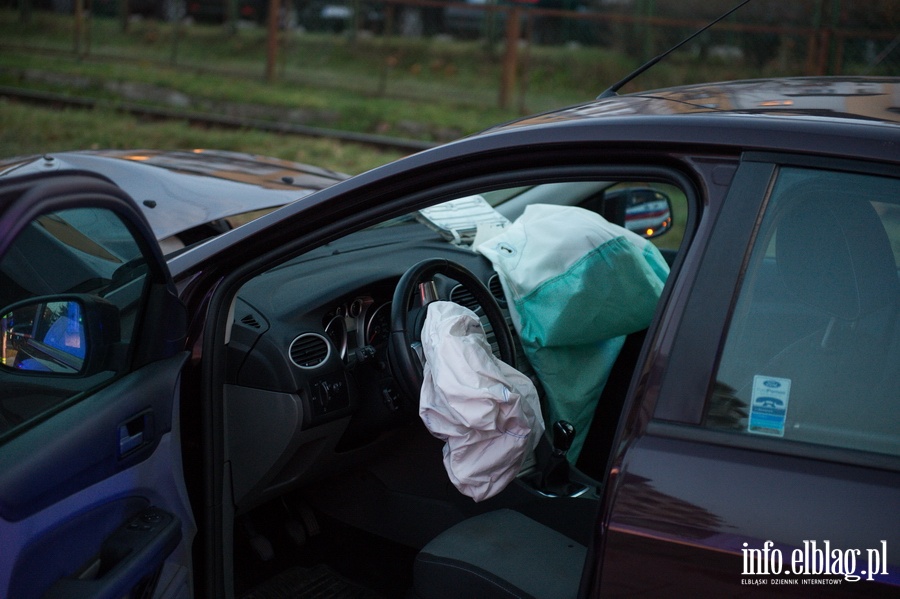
point(574, 324)
point(573, 378)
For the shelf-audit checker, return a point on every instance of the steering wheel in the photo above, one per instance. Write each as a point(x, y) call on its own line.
point(405, 345)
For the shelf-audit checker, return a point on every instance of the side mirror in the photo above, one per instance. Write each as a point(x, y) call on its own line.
point(643, 210)
point(62, 335)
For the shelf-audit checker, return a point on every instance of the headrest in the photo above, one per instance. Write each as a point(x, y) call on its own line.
point(833, 254)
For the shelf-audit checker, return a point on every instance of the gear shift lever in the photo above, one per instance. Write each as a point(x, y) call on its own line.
point(563, 435)
point(555, 477)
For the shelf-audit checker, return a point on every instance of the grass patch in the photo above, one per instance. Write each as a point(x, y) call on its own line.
point(28, 130)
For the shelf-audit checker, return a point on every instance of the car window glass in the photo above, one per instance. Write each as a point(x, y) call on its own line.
point(72, 285)
point(660, 213)
point(813, 346)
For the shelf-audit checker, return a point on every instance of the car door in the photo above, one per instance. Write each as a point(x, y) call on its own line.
point(92, 497)
point(762, 447)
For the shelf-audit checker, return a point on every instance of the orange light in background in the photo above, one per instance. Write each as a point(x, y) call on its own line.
point(771, 103)
point(137, 157)
point(648, 232)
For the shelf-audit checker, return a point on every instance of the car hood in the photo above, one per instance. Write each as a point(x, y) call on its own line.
point(179, 190)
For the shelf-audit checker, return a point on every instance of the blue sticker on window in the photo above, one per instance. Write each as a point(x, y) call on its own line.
point(769, 405)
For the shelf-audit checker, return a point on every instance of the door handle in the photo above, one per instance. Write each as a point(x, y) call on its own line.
point(134, 434)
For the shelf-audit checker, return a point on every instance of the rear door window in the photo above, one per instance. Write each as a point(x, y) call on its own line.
point(812, 349)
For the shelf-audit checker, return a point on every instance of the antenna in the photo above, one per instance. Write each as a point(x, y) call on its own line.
point(617, 86)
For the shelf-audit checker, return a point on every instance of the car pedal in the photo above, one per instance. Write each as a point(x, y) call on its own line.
point(260, 545)
point(310, 522)
point(306, 516)
point(296, 532)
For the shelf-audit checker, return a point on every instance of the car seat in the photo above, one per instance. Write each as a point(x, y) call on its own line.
point(499, 554)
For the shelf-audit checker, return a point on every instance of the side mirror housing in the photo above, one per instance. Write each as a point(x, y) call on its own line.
point(69, 335)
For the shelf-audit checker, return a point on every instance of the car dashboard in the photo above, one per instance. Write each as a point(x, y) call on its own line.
point(309, 389)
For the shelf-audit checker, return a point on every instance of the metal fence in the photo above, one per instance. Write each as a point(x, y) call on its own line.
point(526, 45)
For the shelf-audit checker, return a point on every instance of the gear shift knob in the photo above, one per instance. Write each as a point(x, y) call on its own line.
point(563, 435)
point(554, 479)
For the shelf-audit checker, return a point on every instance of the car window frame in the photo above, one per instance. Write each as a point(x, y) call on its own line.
point(219, 268)
point(687, 382)
point(35, 196)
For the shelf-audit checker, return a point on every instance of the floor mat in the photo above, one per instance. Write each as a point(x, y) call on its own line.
point(318, 582)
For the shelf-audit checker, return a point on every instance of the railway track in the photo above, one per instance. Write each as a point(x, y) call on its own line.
point(43, 98)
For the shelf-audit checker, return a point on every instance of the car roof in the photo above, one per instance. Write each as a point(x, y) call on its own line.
point(865, 99)
point(179, 190)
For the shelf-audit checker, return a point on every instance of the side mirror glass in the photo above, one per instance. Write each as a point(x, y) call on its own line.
point(643, 210)
point(63, 335)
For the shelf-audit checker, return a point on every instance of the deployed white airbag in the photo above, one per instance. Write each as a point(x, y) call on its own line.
point(486, 411)
point(576, 285)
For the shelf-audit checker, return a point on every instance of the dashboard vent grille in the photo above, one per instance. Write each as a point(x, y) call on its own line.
point(309, 350)
point(464, 297)
point(251, 321)
point(496, 289)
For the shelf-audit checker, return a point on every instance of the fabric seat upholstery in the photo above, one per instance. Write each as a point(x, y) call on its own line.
point(500, 554)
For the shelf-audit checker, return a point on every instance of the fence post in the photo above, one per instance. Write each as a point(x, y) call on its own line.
point(823, 55)
point(812, 42)
point(833, 49)
point(356, 7)
point(24, 11)
point(649, 10)
point(79, 27)
point(510, 57)
point(526, 62)
point(231, 16)
point(177, 32)
point(123, 15)
point(272, 40)
point(387, 61)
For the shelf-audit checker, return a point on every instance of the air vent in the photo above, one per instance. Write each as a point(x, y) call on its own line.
point(309, 350)
point(251, 321)
point(464, 297)
point(496, 289)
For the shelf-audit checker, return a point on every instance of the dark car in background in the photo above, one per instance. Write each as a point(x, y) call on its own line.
point(472, 19)
point(333, 17)
point(336, 16)
point(254, 11)
point(166, 10)
point(245, 420)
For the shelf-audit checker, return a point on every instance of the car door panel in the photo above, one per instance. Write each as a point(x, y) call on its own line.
point(79, 446)
point(117, 560)
point(688, 510)
point(92, 494)
point(60, 506)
